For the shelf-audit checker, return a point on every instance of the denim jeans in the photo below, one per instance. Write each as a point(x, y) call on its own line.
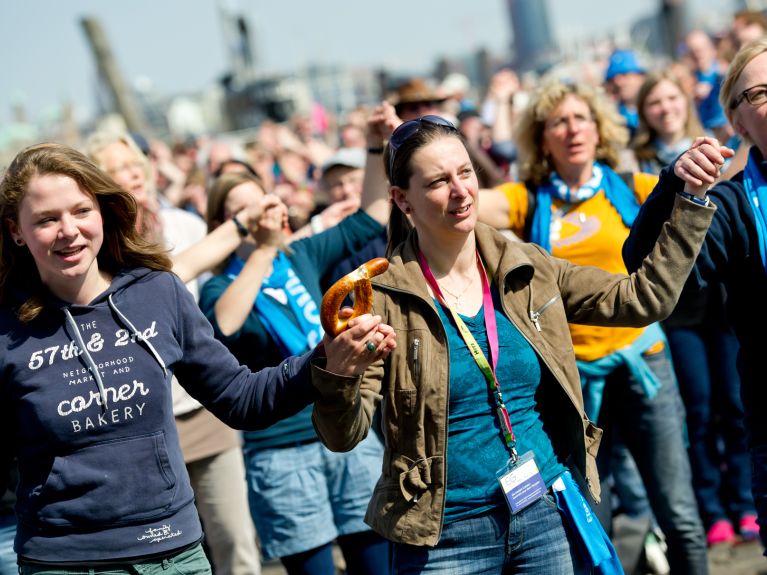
point(7, 534)
point(189, 562)
point(653, 431)
point(705, 361)
point(533, 541)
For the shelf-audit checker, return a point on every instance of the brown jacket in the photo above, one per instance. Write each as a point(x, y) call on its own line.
point(408, 503)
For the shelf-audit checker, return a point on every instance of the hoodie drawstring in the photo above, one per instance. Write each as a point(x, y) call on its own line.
point(88, 358)
point(139, 337)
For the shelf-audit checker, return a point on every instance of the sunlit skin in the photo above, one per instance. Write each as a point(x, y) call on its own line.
point(62, 227)
point(570, 138)
point(665, 109)
point(343, 183)
point(749, 120)
point(442, 194)
point(126, 169)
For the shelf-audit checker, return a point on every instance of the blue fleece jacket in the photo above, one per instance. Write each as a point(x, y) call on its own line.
point(86, 402)
point(730, 255)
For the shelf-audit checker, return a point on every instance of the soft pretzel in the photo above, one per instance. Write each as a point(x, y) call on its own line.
point(359, 281)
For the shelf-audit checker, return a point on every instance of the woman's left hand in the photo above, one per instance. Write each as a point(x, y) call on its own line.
point(365, 341)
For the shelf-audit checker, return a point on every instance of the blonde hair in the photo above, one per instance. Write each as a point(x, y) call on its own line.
point(123, 247)
point(739, 62)
point(535, 165)
point(149, 222)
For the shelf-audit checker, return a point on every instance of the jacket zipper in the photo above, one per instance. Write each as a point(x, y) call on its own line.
point(417, 358)
point(535, 316)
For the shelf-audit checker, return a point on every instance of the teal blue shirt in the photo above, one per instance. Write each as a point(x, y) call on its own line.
point(476, 449)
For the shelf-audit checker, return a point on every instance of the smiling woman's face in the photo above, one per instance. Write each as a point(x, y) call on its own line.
point(665, 108)
point(61, 225)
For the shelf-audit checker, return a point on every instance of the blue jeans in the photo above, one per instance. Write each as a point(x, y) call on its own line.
point(303, 497)
point(653, 431)
point(7, 534)
point(705, 362)
point(533, 541)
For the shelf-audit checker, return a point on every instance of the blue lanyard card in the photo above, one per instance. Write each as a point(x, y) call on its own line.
point(521, 482)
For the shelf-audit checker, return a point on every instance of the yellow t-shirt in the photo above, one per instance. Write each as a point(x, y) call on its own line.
point(589, 233)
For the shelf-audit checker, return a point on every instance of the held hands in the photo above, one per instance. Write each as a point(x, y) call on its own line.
point(253, 216)
point(381, 123)
point(272, 223)
point(364, 342)
point(700, 166)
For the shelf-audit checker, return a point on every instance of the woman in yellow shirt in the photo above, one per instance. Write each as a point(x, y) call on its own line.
point(573, 203)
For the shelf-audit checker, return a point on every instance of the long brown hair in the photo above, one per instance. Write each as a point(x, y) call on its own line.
point(123, 247)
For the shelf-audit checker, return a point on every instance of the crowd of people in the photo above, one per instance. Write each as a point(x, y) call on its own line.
point(546, 343)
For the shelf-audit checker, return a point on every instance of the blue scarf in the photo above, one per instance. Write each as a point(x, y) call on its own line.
point(294, 333)
point(602, 178)
point(756, 192)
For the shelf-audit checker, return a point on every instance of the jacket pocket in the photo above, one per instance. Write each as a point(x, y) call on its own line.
point(113, 482)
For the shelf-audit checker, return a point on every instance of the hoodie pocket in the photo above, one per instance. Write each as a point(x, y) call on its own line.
point(110, 483)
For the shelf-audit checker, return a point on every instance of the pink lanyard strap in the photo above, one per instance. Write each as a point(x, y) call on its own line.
point(492, 337)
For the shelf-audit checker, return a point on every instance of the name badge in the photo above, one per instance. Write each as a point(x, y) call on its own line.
point(521, 482)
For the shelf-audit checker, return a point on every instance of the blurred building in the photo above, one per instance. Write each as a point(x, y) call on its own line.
point(533, 45)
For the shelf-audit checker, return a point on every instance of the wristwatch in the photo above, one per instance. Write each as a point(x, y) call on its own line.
point(241, 229)
point(704, 201)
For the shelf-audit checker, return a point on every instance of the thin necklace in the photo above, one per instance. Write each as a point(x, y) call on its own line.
point(458, 297)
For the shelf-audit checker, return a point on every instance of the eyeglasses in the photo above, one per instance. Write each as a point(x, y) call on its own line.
point(406, 130)
point(755, 95)
point(562, 123)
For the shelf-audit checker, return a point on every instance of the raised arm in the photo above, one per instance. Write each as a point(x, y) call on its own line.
point(216, 246)
point(375, 187)
point(236, 303)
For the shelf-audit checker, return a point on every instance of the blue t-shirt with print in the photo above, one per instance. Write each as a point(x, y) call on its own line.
point(476, 449)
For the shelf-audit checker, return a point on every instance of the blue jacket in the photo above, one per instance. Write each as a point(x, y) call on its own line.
point(102, 477)
point(730, 255)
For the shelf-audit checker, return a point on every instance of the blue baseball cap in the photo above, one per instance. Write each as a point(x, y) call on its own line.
point(623, 62)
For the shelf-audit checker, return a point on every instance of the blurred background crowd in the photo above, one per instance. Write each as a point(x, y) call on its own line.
point(305, 135)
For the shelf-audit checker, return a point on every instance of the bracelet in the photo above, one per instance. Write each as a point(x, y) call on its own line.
point(375, 150)
point(704, 201)
point(241, 229)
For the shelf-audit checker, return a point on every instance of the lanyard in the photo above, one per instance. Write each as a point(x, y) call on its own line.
point(476, 352)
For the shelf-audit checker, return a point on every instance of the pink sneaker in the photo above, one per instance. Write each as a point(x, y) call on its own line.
point(749, 530)
point(721, 531)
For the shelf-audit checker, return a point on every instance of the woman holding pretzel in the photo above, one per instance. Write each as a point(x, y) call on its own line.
point(482, 409)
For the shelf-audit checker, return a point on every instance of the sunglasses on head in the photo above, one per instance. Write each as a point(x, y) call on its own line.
point(406, 130)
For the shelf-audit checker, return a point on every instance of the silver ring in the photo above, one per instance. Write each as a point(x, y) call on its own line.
point(371, 346)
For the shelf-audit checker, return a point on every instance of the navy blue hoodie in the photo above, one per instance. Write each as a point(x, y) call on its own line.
point(730, 255)
point(87, 408)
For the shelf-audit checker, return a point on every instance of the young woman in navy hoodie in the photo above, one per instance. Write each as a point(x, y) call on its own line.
point(93, 326)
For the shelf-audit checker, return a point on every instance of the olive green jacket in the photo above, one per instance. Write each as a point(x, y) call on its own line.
point(540, 294)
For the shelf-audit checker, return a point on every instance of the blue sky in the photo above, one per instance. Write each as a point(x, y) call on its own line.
point(178, 45)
